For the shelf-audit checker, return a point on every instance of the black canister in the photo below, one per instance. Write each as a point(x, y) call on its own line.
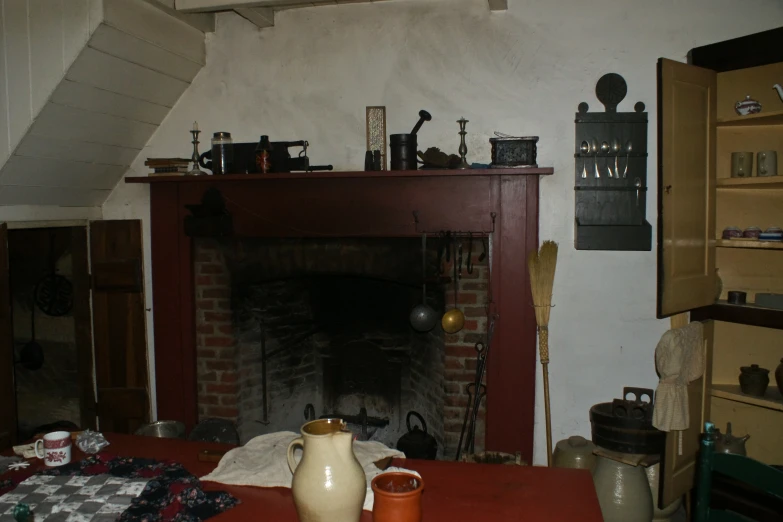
point(222, 153)
point(403, 151)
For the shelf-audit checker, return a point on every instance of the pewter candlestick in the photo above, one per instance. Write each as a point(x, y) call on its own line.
point(463, 149)
point(195, 171)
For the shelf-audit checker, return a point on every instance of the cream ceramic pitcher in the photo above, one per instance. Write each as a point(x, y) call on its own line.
point(329, 483)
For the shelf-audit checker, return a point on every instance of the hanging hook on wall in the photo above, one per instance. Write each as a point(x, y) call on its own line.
point(469, 264)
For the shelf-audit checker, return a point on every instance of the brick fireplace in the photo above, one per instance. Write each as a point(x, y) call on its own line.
point(356, 205)
point(332, 316)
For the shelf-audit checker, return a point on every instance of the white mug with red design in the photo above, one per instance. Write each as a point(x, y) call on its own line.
point(56, 448)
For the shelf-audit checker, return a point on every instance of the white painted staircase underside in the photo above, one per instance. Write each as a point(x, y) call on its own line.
point(83, 85)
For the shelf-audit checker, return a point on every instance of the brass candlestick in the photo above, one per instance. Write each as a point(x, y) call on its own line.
point(463, 149)
point(195, 171)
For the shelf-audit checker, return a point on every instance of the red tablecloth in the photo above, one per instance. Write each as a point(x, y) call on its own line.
point(454, 492)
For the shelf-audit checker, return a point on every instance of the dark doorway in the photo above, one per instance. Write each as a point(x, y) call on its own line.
point(50, 306)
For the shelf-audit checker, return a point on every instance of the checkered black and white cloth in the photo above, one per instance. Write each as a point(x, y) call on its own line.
point(97, 498)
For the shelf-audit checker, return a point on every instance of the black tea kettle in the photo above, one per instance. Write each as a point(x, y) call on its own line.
point(417, 443)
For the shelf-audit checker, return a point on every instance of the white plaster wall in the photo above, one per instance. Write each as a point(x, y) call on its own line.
point(521, 72)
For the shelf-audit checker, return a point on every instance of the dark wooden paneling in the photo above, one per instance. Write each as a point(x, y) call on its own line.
point(119, 328)
point(512, 362)
point(176, 398)
point(83, 326)
point(747, 51)
point(7, 388)
point(132, 402)
point(359, 207)
point(117, 275)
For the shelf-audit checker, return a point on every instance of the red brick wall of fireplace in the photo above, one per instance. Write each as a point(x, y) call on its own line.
point(220, 373)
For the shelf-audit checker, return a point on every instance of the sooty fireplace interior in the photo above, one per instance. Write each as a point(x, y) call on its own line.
point(293, 329)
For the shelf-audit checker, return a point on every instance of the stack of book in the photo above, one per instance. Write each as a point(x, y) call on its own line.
point(168, 166)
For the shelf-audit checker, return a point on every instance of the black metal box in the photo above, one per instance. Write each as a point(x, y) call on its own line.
point(514, 152)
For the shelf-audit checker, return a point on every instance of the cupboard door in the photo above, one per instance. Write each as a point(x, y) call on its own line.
point(680, 457)
point(686, 187)
point(119, 327)
point(7, 387)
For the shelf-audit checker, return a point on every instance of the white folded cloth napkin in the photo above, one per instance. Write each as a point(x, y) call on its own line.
point(262, 462)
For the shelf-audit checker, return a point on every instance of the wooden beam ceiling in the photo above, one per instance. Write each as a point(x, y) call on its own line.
point(261, 16)
point(498, 5)
point(196, 6)
point(246, 8)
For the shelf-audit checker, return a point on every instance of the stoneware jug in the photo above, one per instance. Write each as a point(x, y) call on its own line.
point(574, 452)
point(623, 491)
point(660, 515)
point(329, 483)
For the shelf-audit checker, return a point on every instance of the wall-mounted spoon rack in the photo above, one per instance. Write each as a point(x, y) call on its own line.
point(610, 167)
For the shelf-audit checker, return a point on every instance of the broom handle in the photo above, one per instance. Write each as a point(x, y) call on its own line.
point(548, 416)
point(543, 349)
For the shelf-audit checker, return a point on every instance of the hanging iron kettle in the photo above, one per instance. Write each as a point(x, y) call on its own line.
point(417, 443)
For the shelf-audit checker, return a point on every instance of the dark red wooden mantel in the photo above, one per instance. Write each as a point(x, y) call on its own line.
point(359, 204)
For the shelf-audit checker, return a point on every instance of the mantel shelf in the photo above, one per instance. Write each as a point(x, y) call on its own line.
point(545, 171)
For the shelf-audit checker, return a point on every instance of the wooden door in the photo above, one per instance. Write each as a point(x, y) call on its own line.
point(7, 388)
point(119, 325)
point(680, 457)
point(82, 320)
point(686, 187)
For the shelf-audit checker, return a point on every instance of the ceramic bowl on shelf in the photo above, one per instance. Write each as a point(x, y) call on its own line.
point(731, 232)
point(752, 233)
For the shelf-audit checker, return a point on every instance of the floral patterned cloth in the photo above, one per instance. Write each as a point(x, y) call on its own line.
point(172, 493)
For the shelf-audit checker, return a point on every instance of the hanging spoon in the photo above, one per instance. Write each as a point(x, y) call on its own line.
point(628, 148)
point(585, 149)
point(616, 149)
point(605, 150)
point(594, 149)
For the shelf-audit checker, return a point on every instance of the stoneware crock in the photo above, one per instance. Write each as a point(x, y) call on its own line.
point(623, 491)
point(754, 380)
point(329, 483)
point(574, 452)
point(397, 497)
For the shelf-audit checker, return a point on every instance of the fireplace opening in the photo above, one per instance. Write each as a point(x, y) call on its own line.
point(294, 329)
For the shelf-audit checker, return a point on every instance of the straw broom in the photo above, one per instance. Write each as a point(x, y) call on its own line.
point(542, 276)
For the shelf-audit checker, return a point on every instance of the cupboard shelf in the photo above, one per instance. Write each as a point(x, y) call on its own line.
point(741, 314)
point(762, 245)
point(761, 118)
point(772, 399)
point(771, 182)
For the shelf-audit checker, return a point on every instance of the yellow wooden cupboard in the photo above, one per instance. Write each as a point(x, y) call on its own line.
point(698, 129)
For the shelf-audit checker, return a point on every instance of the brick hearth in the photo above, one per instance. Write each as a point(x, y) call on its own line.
point(225, 376)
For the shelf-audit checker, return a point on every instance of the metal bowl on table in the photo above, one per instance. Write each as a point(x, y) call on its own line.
point(167, 429)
